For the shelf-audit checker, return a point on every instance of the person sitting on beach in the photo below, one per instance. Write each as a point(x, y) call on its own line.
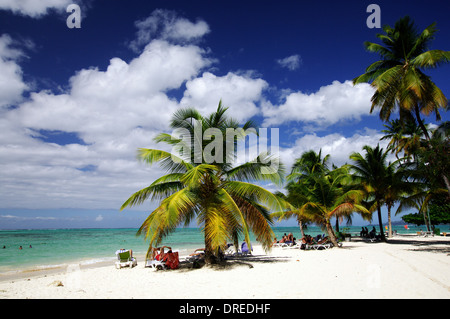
point(155, 253)
point(373, 233)
point(290, 238)
point(307, 240)
point(121, 250)
point(158, 252)
point(198, 253)
point(363, 233)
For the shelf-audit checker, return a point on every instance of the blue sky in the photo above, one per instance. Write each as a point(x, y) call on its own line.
point(75, 103)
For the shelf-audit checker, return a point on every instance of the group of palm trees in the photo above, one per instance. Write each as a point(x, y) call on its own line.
point(223, 200)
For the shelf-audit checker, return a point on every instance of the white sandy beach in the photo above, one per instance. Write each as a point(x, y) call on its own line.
point(408, 267)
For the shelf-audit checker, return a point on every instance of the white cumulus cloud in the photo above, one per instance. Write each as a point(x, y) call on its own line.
point(329, 105)
point(241, 93)
point(338, 146)
point(34, 8)
point(113, 111)
point(12, 85)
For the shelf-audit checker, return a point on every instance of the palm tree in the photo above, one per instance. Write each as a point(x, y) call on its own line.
point(399, 189)
point(217, 194)
point(308, 163)
point(373, 172)
point(399, 77)
point(292, 201)
point(320, 196)
point(394, 132)
point(428, 163)
point(404, 137)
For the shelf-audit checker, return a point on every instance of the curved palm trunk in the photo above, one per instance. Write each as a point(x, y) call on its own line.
point(331, 234)
point(447, 184)
point(420, 122)
point(300, 224)
point(426, 220)
point(209, 254)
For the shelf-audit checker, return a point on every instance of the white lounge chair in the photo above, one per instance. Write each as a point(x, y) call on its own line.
point(155, 264)
point(298, 245)
point(125, 259)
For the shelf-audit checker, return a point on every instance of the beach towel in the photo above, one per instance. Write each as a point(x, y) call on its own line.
point(172, 260)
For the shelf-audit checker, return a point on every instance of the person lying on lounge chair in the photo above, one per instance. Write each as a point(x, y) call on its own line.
point(158, 253)
point(290, 238)
point(198, 253)
point(307, 240)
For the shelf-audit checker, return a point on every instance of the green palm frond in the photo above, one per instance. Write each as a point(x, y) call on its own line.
point(398, 78)
point(195, 176)
point(167, 138)
point(168, 161)
point(177, 205)
point(264, 168)
point(185, 118)
point(314, 212)
point(216, 229)
point(258, 219)
point(377, 48)
point(431, 59)
point(242, 189)
point(230, 206)
point(156, 191)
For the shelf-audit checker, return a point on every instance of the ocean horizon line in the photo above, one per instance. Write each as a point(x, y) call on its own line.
point(137, 228)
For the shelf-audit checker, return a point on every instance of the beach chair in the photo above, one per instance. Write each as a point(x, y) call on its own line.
point(371, 237)
point(324, 243)
point(297, 245)
point(170, 261)
point(282, 245)
point(230, 251)
point(125, 260)
point(156, 264)
point(426, 233)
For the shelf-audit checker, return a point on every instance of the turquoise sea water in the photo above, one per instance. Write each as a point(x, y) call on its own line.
point(52, 247)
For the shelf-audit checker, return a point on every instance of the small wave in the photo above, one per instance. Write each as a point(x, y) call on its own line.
point(97, 260)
